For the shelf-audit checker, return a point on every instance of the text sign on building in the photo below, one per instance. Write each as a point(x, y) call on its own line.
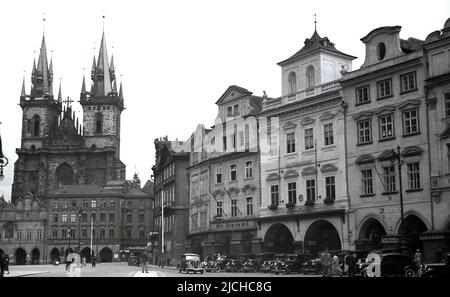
point(233, 225)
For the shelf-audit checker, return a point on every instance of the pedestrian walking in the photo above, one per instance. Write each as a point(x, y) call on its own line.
point(2, 264)
point(335, 269)
point(6, 263)
point(418, 262)
point(144, 262)
point(325, 261)
point(351, 263)
point(94, 260)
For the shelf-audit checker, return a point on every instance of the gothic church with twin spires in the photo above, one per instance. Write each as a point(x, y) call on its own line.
point(71, 172)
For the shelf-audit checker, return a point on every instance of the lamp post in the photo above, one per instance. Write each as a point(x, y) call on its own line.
point(79, 230)
point(3, 160)
point(399, 166)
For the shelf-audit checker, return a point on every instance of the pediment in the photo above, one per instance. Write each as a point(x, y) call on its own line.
point(328, 168)
point(361, 115)
point(233, 190)
point(218, 193)
point(326, 115)
point(409, 104)
point(289, 125)
point(291, 174)
point(385, 110)
point(310, 170)
point(233, 93)
point(412, 151)
point(248, 187)
point(365, 159)
point(307, 121)
point(273, 177)
point(387, 155)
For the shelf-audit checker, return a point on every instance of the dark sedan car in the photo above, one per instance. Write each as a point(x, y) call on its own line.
point(292, 263)
point(389, 265)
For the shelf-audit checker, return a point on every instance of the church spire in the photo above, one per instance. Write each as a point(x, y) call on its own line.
point(42, 74)
point(22, 93)
point(120, 92)
point(59, 92)
point(102, 78)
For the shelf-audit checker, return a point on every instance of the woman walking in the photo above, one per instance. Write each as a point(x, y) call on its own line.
point(335, 269)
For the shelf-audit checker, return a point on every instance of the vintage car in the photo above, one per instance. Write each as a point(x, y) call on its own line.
point(441, 269)
point(388, 265)
point(134, 261)
point(234, 264)
point(190, 263)
point(264, 261)
point(292, 263)
point(312, 265)
point(277, 262)
point(220, 263)
point(209, 264)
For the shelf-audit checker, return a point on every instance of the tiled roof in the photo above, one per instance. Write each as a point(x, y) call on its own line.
point(92, 189)
point(313, 44)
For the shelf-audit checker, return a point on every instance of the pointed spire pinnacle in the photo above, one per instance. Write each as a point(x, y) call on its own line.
point(111, 66)
point(42, 74)
point(59, 92)
point(315, 22)
point(93, 68)
point(34, 67)
point(115, 86)
point(22, 93)
point(120, 91)
point(83, 86)
point(102, 77)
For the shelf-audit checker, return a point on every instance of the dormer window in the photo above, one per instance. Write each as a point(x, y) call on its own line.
point(381, 51)
point(292, 83)
point(310, 77)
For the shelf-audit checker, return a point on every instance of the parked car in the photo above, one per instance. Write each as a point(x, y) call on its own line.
point(220, 263)
point(389, 264)
point(251, 265)
point(134, 261)
point(233, 265)
point(441, 269)
point(190, 263)
point(292, 263)
point(277, 263)
point(312, 265)
point(264, 261)
point(209, 263)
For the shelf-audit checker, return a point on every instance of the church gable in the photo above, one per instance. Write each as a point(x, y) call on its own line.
point(233, 93)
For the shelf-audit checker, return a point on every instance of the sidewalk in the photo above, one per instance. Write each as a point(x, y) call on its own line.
point(149, 274)
point(165, 267)
point(23, 273)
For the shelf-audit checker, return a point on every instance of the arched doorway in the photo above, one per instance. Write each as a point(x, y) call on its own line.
point(86, 253)
point(279, 239)
point(106, 255)
point(67, 251)
point(412, 226)
point(54, 255)
point(371, 232)
point(21, 256)
point(320, 235)
point(35, 256)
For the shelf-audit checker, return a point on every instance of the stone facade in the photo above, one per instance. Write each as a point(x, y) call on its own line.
point(224, 178)
point(75, 170)
point(303, 172)
point(170, 178)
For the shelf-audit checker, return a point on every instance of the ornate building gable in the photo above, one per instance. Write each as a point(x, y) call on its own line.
point(232, 93)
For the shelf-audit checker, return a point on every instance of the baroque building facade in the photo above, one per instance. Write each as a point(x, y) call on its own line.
point(170, 190)
point(224, 178)
point(74, 168)
point(304, 201)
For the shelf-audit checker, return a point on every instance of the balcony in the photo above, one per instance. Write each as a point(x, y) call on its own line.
point(306, 93)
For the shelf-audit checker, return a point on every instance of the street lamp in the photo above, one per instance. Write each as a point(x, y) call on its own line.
point(79, 230)
point(396, 155)
point(3, 160)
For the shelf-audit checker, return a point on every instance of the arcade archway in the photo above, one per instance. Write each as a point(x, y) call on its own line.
point(106, 255)
point(372, 230)
point(35, 256)
point(86, 253)
point(412, 227)
point(54, 255)
point(21, 256)
point(279, 239)
point(320, 235)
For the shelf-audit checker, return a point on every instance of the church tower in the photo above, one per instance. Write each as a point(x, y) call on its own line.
point(102, 108)
point(40, 109)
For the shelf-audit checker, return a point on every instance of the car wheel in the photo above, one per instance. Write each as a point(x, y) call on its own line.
point(217, 269)
point(201, 272)
point(287, 271)
point(409, 272)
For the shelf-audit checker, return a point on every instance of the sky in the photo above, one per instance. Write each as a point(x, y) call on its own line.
point(177, 57)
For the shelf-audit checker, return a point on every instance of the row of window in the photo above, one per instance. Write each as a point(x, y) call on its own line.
point(410, 119)
point(103, 107)
point(248, 172)
point(169, 197)
point(389, 179)
point(309, 138)
point(93, 204)
point(234, 209)
point(233, 110)
point(408, 82)
point(85, 233)
point(292, 80)
point(26, 235)
point(169, 223)
point(84, 218)
point(330, 191)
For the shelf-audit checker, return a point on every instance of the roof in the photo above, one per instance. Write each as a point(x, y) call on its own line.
point(242, 92)
point(315, 43)
point(75, 190)
point(148, 187)
point(135, 192)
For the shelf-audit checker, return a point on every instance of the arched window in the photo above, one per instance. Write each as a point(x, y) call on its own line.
point(98, 123)
point(36, 125)
point(310, 77)
point(292, 79)
point(64, 174)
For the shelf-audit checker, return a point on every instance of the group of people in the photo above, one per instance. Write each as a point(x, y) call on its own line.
point(4, 263)
point(331, 267)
